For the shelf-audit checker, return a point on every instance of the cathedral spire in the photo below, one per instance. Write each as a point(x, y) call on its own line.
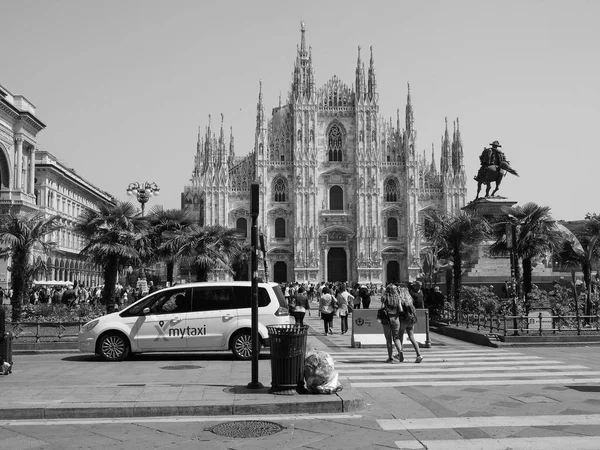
point(432, 168)
point(445, 156)
point(457, 149)
point(231, 147)
point(302, 39)
point(372, 82)
point(303, 77)
point(360, 77)
point(410, 118)
point(260, 108)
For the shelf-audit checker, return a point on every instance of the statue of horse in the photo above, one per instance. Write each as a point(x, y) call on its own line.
point(493, 174)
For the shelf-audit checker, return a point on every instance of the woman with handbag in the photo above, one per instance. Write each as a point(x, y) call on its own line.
point(327, 309)
point(408, 318)
point(391, 306)
point(300, 306)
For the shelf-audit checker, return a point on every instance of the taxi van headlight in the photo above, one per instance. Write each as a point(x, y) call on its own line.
point(90, 325)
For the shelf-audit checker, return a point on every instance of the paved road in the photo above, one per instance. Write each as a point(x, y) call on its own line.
point(461, 396)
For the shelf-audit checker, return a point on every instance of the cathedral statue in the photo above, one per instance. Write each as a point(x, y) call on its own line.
point(494, 166)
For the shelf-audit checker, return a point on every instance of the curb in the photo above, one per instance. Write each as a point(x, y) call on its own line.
point(341, 402)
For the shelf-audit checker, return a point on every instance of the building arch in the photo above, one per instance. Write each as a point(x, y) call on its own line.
point(336, 198)
point(242, 226)
point(392, 228)
point(4, 168)
point(280, 228)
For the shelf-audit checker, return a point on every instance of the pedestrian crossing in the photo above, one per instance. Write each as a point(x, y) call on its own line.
point(457, 367)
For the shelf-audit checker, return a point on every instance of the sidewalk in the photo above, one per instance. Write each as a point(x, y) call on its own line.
point(73, 385)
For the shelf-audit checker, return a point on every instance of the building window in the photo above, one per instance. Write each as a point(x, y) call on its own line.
point(335, 143)
point(279, 228)
point(279, 190)
point(242, 226)
point(392, 227)
point(336, 198)
point(391, 190)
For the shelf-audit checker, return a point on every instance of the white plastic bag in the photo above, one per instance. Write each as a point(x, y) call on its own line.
point(320, 374)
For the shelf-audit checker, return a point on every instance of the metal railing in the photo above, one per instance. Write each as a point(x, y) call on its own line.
point(36, 332)
point(541, 324)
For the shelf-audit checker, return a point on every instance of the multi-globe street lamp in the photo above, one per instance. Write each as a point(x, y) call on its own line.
point(143, 192)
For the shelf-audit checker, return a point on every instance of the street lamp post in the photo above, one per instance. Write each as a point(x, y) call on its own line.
point(143, 192)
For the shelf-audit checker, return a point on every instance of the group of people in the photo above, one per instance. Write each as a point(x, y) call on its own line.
point(337, 300)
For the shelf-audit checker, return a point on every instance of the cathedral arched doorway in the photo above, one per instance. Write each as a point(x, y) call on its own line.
point(280, 272)
point(336, 264)
point(393, 272)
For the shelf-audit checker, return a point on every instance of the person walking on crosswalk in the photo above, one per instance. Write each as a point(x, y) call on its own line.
point(391, 330)
point(408, 318)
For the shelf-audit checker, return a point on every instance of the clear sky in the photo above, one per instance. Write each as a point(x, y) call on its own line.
point(123, 85)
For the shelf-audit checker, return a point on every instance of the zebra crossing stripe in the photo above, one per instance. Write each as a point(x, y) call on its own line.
point(505, 382)
point(378, 367)
point(413, 368)
point(470, 358)
point(446, 423)
point(529, 443)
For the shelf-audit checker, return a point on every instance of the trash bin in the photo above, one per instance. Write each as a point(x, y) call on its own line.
point(288, 347)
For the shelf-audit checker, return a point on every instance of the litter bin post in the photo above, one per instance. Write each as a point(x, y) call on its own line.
point(288, 349)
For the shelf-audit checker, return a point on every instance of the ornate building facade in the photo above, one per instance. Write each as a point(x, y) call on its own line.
point(341, 188)
point(34, 180)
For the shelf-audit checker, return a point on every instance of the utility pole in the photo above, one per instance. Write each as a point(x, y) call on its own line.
point(254, 208)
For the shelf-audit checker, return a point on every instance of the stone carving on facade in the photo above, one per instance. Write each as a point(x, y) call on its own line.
point(336, 236)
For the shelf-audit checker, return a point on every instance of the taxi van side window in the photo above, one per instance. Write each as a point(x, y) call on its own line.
point(243, 297)
point(212, 298)
point(164, 302)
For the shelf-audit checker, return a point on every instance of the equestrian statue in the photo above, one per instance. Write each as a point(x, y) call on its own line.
point(494, 166)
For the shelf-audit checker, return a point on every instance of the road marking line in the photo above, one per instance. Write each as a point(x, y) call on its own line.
point(445, 423)
point(576, 381)
point(428, 363)
point(478, 375)
point(51, 422)
point(413, 368)
point(529, 443)
point(467, 358)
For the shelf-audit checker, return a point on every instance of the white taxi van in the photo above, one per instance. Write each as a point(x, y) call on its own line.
point(187, 318)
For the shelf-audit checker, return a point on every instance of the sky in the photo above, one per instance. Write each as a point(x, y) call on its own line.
point(124, 85)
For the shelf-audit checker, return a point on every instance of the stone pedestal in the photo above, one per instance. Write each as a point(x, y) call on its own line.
point(487, 267)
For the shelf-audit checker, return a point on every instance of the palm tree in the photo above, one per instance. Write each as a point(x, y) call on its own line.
point(452, 237)
point(116, 237)
point(20, 235)
point(206, 248)
point(166, 223)
point(582, 252)
point(536, 236)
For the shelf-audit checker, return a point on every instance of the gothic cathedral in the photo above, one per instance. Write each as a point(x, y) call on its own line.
point(341, 189)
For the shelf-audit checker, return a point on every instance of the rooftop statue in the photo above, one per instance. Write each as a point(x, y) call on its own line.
point(494, 166)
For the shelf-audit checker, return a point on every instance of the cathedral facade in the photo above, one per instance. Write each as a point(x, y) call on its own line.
point(342, 189)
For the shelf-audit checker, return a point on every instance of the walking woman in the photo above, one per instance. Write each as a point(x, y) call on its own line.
point(327, 309)
point(408, 318)
point(344, 298)
point(300, 305)
point(391, 330)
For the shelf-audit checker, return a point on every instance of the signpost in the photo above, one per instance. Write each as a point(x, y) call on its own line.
point(254, 207)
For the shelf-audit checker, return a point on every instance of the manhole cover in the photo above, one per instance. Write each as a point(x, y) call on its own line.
point(181, 367)
point(246, 429)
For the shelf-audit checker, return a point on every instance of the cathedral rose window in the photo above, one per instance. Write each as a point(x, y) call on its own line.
point(391, 190)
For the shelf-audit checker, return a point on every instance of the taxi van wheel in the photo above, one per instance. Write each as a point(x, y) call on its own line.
point(241, 345)
point(114, 347)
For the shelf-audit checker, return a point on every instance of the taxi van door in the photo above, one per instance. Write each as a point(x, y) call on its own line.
point(212, 319)
point(162, 322)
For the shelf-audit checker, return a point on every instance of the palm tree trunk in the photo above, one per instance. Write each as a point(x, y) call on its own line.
point(457, 279)
point(110, 281)
point(527, 281)
point(587, 278)
point(19, 285)
point(170, 269)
